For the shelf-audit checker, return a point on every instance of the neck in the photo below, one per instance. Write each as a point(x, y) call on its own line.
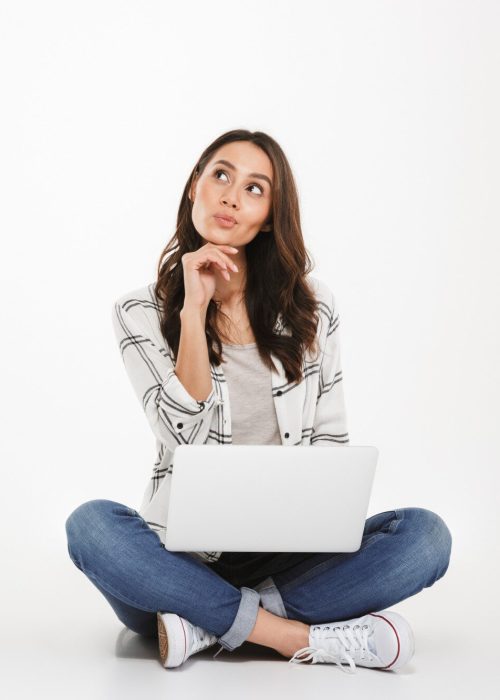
point(230, 294)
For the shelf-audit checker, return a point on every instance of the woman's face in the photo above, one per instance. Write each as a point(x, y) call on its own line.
point(241, 188)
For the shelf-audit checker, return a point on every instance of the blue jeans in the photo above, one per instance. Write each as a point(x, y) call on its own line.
point(402, 552)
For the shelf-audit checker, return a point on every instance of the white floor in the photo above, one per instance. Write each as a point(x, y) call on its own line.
point(69, 642)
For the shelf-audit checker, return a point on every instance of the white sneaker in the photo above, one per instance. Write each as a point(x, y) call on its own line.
point(377, 640)
point(178, 639)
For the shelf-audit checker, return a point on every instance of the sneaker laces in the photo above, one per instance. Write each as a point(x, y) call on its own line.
point(200, 639)
point(342, 644)
point(217, 654)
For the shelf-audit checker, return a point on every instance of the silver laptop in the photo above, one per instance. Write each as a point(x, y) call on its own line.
point(269, 498)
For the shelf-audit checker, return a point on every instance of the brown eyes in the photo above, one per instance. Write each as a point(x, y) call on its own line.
point(253, 184)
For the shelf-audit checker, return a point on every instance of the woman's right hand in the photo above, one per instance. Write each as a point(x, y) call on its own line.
point(199, 268)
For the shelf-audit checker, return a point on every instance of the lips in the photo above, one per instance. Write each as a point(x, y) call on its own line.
point(225, 217)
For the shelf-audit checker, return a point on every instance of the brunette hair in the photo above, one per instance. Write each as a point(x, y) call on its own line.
point(277, 265)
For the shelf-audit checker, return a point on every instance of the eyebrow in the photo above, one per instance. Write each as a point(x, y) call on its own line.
point(257, 175)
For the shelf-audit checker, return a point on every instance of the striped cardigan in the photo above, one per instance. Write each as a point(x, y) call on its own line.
point(310, 412)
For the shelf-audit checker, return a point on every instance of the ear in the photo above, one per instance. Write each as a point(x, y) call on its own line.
point(192, 189)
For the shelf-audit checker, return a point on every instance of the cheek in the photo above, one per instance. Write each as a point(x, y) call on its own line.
point(198, 213)
point(209, 195)
point(264, 210)
point(202, 200)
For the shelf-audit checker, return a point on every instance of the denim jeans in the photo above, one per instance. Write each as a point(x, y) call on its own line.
point(402, 551)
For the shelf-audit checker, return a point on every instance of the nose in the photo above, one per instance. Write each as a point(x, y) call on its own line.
point(229, 199)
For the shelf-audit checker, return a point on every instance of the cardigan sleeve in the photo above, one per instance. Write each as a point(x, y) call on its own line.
point(330, 420)
point(174, 416)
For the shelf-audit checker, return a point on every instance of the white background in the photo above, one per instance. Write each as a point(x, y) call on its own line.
point(388, 113)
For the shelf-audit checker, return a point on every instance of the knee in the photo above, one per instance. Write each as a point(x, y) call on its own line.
point(83, 524)
point(432, 540)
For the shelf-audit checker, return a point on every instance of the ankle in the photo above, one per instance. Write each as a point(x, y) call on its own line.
point(279, 633)
point(297, 638)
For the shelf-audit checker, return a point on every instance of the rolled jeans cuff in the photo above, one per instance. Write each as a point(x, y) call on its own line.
point(270, 597)
point(244, 622)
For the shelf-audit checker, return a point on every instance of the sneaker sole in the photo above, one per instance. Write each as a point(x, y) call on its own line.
point(406, 639)
point(162, 639)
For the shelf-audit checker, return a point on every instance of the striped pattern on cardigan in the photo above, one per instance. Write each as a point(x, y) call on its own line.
point(311, 412)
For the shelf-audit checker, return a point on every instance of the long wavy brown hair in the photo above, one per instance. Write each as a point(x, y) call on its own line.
point(277, 265)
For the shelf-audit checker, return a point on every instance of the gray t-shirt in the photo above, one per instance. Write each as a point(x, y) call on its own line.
point(253, 422)
point(253, 416)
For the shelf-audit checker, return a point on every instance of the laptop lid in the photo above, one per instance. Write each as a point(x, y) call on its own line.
point(269, 498)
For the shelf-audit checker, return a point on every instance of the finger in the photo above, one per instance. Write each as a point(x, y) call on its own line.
point(216, 260)
point(229, 262)
point(220, 259)
point(228, 249)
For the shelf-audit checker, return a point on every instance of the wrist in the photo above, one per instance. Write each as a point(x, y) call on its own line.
point(189, 312)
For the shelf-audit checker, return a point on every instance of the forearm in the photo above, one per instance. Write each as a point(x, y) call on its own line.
point(193, 365)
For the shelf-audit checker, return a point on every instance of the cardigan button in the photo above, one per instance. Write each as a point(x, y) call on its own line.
point(279, 392)
point(179, 425)
point(287, 435)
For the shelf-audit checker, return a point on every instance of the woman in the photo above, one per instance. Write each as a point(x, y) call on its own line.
point(234, 313)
